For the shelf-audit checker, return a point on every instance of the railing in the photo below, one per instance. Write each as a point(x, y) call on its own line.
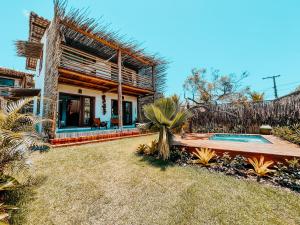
point(80, 61)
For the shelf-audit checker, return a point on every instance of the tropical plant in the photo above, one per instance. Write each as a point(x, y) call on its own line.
point(290, 133)
point(256, 96)
point(204, 155)
point(166, 114)
point(152, 147)
point(142, 149)
point(293, 163)
point(6, 183)
point(261, 168)
point(17, 134)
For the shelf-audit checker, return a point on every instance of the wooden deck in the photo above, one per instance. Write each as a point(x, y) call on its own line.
point(279, 150)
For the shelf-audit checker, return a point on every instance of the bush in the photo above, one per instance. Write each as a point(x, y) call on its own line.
point(17, 135)
point(289, 133)
point(142, 149)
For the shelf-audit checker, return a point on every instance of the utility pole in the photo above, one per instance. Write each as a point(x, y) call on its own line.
point(274, 84)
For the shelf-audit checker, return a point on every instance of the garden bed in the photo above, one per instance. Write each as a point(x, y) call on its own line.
point(281, 174)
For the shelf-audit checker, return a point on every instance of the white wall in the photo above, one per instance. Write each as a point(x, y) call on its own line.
point(39, 79)
point(63, 88)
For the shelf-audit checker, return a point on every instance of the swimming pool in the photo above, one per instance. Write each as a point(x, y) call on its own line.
point(240, 138)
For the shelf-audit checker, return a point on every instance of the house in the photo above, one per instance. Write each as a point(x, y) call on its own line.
point(87, 73)
point(15, 85)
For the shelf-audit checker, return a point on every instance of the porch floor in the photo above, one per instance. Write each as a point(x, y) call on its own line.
point(88, 131)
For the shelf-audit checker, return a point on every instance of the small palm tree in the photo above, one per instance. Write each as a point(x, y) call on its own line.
point(17, 133)
point(167, 115)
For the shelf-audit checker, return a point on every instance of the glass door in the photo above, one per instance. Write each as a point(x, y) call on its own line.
point(86, 111)
point(75, 110)
point(127, 113)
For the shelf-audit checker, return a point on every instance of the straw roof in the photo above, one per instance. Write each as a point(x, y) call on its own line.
point(37, 28)
point(29, 49)
point(80, 31)
point(14, 73)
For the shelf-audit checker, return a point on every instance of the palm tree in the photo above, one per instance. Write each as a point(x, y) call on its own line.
point(17, 133)
point(167, 115)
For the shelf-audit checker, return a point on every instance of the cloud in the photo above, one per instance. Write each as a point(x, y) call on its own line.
point(26, 13)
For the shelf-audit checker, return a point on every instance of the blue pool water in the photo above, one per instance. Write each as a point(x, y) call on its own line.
point(240, 138)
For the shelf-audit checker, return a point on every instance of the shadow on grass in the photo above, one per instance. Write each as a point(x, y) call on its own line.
point(21, 197)
point(156, 162)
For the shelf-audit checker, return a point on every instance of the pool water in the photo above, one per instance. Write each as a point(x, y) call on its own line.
point(240, 138)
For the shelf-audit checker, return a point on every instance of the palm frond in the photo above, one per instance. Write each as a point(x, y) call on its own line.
point(166, 106)
point(179, 119)
point(16, 106)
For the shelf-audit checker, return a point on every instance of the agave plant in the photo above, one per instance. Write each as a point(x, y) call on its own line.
point(17, 133)
point(167, 115)
point(204, 155)
point(152, 147)
point(261, 168)
point(142, 148)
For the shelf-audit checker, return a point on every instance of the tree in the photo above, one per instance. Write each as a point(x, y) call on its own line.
point(217, 89)
point(256, 96)
point(166, 114)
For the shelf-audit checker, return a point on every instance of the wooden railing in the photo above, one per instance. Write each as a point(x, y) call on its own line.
point(83, 62)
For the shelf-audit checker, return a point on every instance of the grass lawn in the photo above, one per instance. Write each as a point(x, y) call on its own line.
point(106, 183)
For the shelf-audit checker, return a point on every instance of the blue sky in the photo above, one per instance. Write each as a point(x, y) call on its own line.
point(260, 36)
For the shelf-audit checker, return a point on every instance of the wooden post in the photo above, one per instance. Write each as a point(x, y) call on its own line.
point(120, 100)
point(153, 82)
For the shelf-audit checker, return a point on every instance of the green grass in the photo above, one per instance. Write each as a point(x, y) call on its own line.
point(106, 183)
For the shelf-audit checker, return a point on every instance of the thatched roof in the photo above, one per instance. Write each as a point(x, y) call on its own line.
point(29, 49)
point(37, 28)
point(80, 31)
point(14, 73)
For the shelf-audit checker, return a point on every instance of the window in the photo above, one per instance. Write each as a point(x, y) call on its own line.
point(4, 82)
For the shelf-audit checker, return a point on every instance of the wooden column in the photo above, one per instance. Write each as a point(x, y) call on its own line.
point(120, 100)
point(153, 81)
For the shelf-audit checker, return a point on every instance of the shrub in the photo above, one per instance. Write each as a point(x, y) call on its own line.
point(289, 133)
point(6, 183)
point(152, 148)
point(142, 149)
point(293, 163)
point(204, 155)
point(288, 175)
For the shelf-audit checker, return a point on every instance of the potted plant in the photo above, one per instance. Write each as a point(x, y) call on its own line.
point(265, 129)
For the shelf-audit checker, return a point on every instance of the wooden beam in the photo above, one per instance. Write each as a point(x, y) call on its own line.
point(91, 77)
point(80, 84)
point(120, 100)
point(108, 43)
point(140, 90)
point(153, 78)
point(111, 90)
